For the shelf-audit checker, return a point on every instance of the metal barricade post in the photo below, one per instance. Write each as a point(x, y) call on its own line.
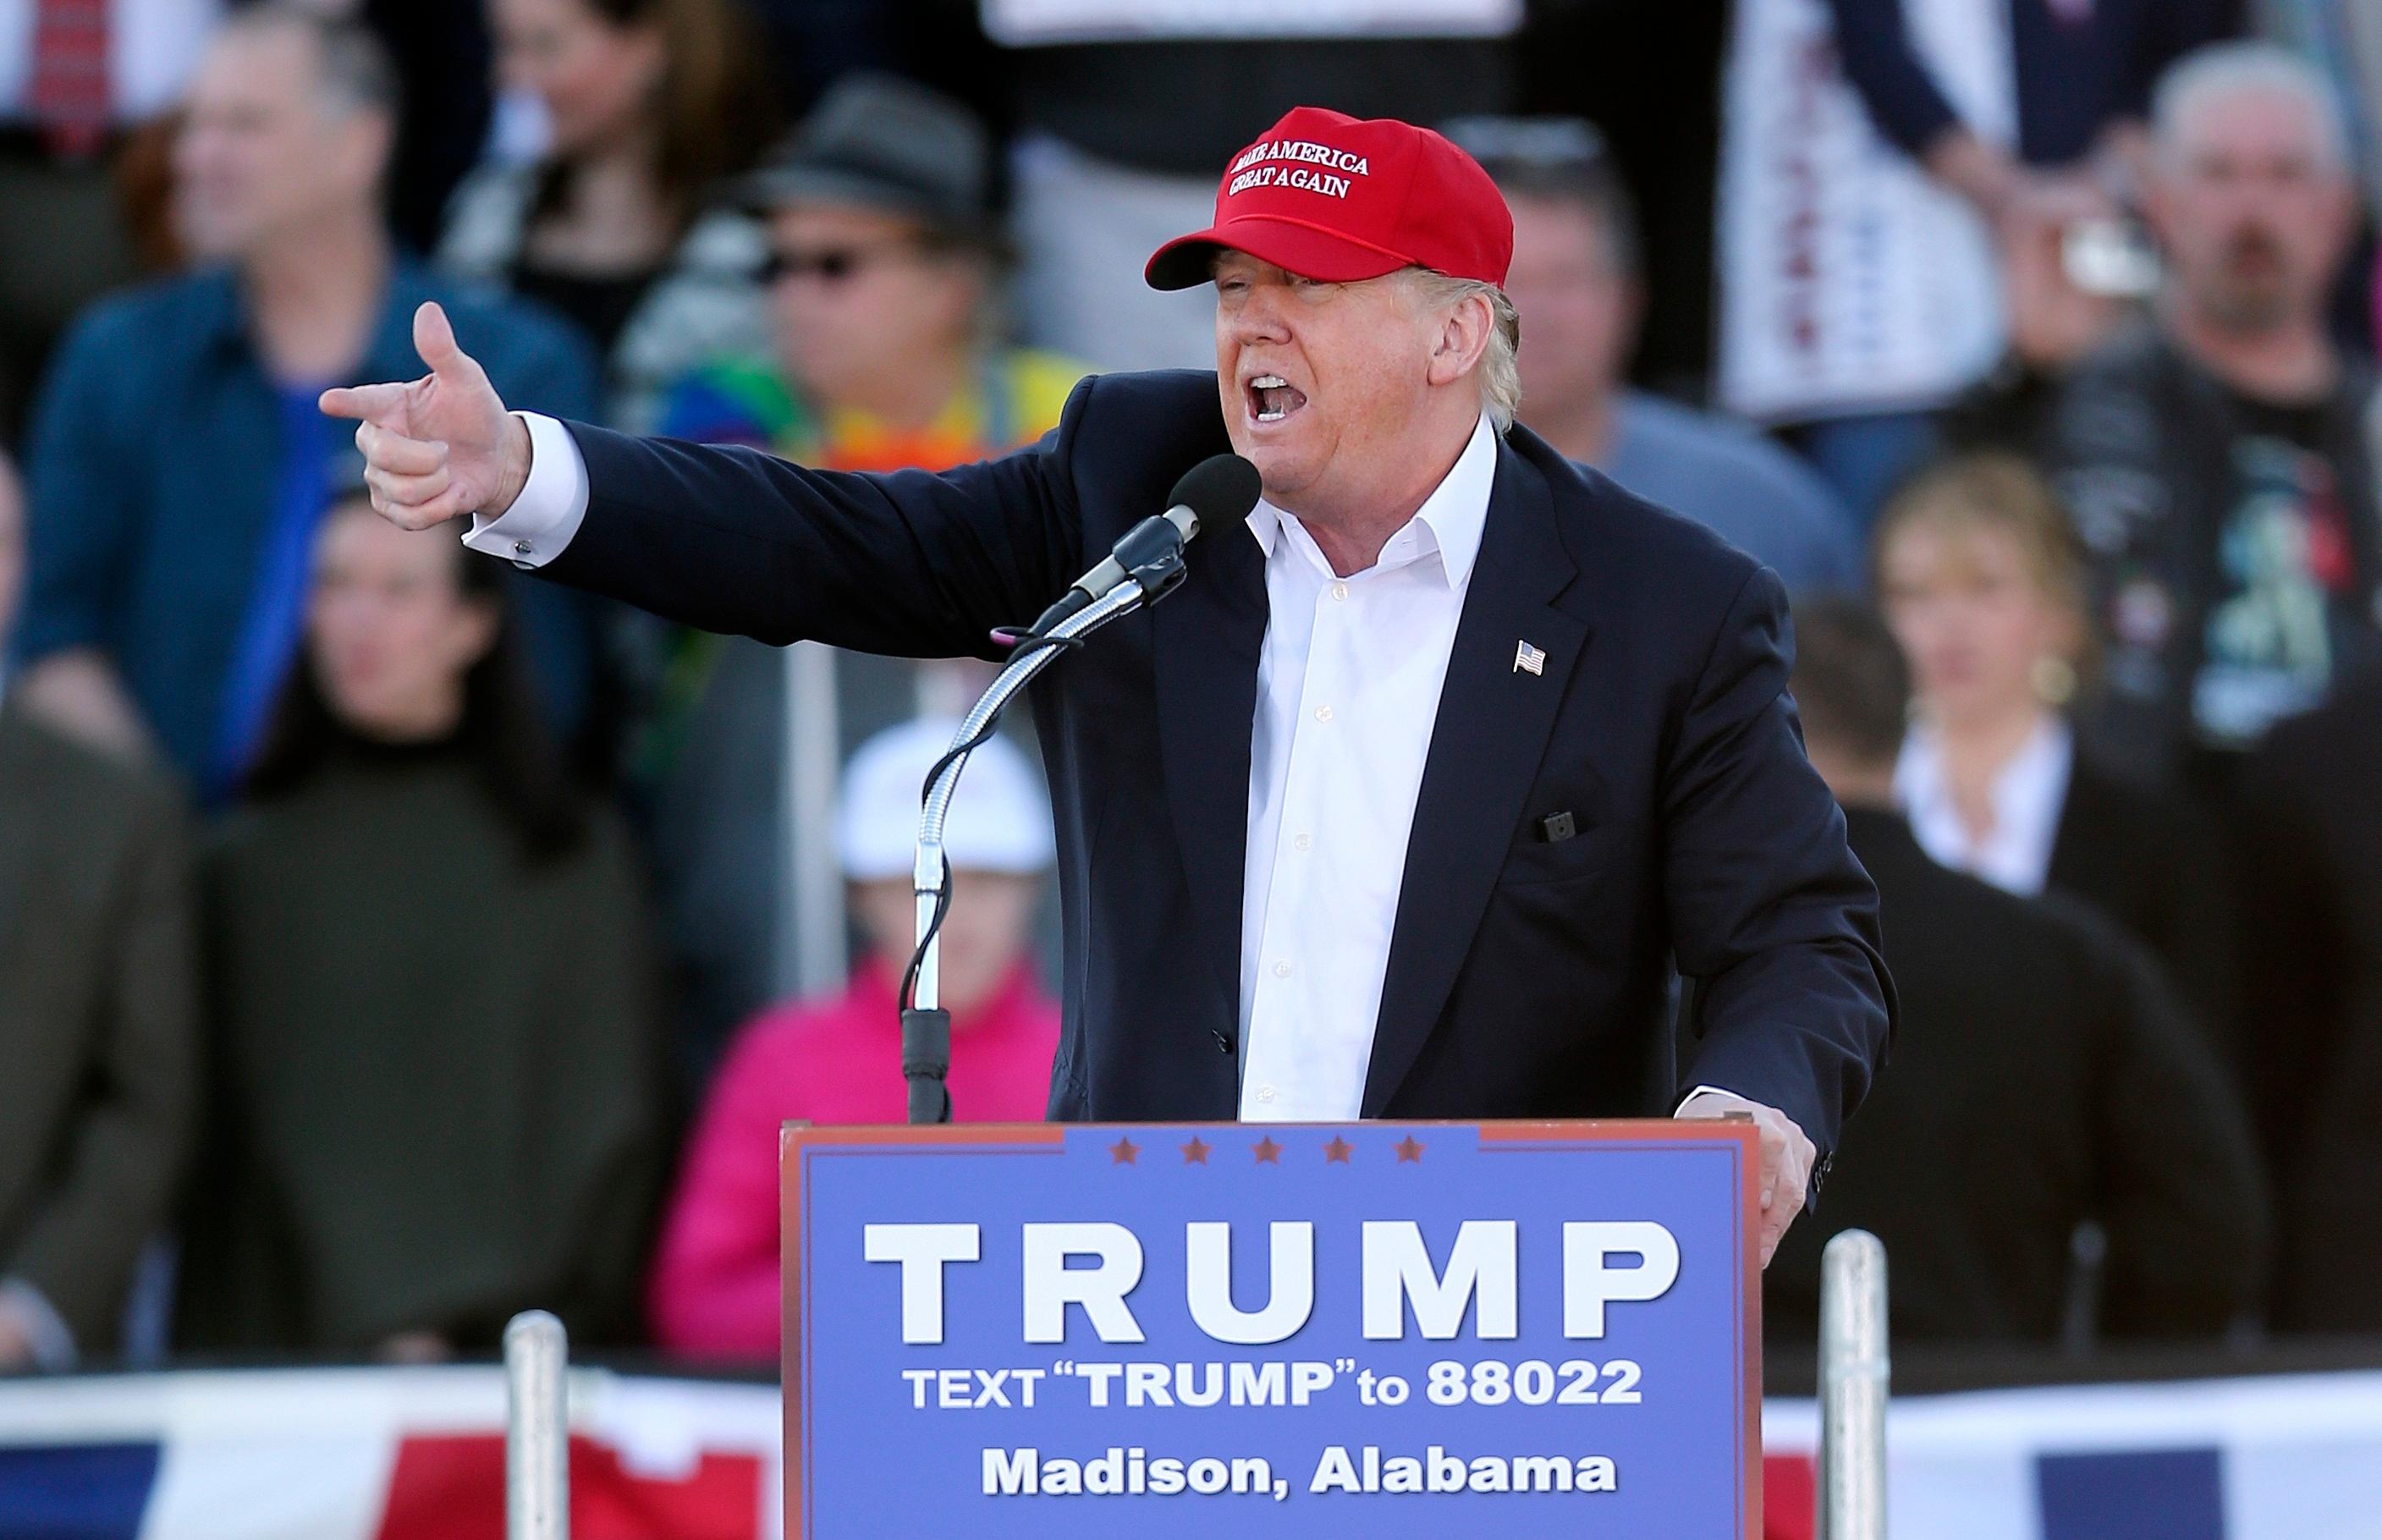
point(1853, 1382)
point(537, 1428)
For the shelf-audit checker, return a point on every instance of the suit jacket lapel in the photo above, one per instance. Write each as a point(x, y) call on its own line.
point(1209, 638)
point(1492, 732)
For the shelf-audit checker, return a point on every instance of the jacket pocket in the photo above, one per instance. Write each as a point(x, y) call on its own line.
point(1535, 862)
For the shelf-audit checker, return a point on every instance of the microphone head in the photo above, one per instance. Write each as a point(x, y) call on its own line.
point(1218, 490)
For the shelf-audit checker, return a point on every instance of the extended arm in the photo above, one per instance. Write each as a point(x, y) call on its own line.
point(1902, 97)
point(912, 563)
point(731, 540)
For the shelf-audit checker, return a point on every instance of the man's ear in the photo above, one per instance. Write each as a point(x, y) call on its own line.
point(1463, 338)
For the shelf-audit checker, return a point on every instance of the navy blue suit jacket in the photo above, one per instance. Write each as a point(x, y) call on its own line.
point(1526, 977)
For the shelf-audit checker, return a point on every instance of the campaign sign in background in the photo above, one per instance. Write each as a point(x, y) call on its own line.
point(1651, 1426)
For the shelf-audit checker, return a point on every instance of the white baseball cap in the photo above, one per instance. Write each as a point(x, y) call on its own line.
point(999, 819)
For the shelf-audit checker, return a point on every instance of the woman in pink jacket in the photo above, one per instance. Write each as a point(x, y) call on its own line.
point(838, 1059)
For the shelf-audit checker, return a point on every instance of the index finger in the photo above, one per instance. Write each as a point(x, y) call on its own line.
point(363, 403)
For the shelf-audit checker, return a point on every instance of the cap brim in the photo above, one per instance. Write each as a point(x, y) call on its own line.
point(765, 192)
point(1293, 245)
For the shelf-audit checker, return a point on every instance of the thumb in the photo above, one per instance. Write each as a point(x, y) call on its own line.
point(433, 338)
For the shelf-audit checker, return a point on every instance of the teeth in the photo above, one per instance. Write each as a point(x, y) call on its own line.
point(1270, 417)
point(1269, 382)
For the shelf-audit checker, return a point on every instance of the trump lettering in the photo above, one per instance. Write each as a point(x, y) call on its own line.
point(1095, 1266)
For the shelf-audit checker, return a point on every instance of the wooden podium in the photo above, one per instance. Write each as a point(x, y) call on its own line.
point(1508, 1329)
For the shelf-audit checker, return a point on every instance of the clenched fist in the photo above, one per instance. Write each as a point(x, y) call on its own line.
point(440, 447)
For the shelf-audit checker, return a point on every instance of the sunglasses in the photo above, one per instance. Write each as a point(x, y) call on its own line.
point(830, 265)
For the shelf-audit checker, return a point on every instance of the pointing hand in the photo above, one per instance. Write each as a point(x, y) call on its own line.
point(440, 447)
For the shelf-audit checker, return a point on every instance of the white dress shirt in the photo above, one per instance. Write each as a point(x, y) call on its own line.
point(552, 502)
point(1347, 693)
point(2028, 795)
point(1348, 688)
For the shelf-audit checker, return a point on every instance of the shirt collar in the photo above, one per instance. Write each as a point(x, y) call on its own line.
point(2028, 795)
point(222, 318)
point(1449, 522)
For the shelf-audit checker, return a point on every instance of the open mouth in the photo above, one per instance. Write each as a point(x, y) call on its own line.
point(1271, 398)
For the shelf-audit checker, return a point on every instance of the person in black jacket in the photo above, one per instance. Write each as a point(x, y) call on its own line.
point(1406, 801)
point(1981, 577)
point(2221, 463)
point(2312, 862)
point(2041, 1081)
point(417, 1124)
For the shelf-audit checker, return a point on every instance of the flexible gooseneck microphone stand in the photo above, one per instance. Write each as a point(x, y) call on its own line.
point(925, 1026)
point(1144, 566)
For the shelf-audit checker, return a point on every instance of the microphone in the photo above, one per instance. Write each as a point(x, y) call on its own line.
point(1217, 490)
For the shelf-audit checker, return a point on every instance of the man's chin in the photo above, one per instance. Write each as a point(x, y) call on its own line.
point(2253, 308)
point(1280, 469)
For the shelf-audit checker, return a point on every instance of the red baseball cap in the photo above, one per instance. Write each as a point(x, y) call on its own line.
point(1336, 198)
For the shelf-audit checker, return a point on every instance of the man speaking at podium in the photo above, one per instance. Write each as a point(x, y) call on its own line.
point(1409, 802)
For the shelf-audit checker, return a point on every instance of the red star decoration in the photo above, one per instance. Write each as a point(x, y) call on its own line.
point(1409, 1150)
point(1195, 1152)
point(1269, 1153)
point(1123, 1151)
point(1337, 1153)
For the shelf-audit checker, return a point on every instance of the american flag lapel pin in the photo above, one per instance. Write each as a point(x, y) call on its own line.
point(1528, 660)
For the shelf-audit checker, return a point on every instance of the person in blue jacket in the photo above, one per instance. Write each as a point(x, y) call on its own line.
point(169, 544)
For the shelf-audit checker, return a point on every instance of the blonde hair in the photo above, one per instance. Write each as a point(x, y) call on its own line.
point(1500, 370)
point(1994, 492)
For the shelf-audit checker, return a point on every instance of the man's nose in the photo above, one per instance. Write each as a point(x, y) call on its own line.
point(1262, 317)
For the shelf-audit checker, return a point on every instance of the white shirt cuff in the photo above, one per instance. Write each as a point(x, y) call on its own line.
point(1690, 1096)
point(553, 501)
point(52, 1341)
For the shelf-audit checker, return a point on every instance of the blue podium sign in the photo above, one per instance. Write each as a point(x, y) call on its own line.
point(1518, 1329)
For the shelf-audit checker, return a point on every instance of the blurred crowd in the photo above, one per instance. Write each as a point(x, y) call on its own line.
point(391, 941)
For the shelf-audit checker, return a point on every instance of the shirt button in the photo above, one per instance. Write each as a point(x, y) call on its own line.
point(1265, 1093)
point(1302, 843)
point(1282, 971)
point(1339, 590)
point(1323, 713)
